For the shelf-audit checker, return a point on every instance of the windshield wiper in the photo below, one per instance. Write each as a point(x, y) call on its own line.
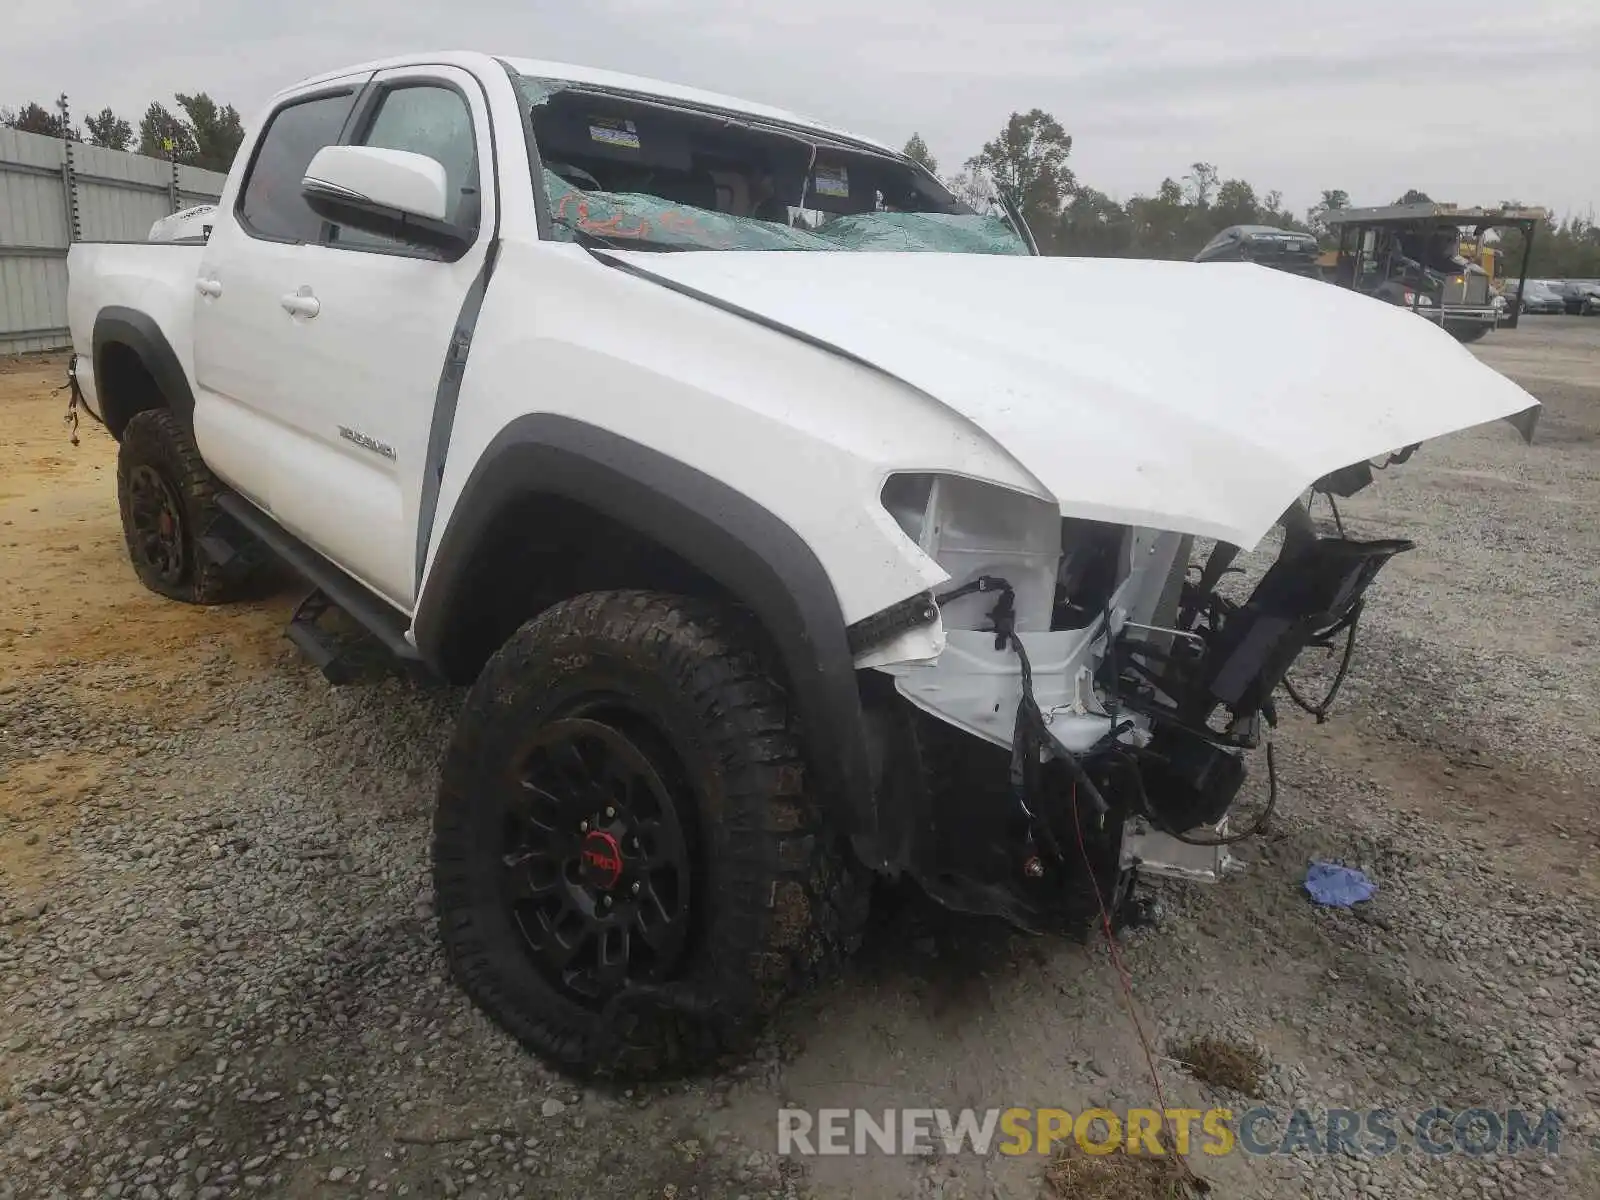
point(591, 240)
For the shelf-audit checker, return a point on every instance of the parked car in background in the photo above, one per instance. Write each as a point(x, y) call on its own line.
point(1268, 245)
point(1539, 296)
point(1580, 297)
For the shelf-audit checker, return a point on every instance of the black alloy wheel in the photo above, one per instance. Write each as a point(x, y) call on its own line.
point(598, 873)
point(630, 872)
point(156, 537)
point(168, 501)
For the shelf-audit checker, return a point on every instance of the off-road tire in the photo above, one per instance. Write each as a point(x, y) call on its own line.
point(776, 902)
point(155, 440)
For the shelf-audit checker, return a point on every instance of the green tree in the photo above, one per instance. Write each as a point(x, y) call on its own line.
point(1158, 223)
point(1202, 181)
point(973, 189)
point(1273, 213)
point(1236, 205)
point(917, 151)
point(1413, 196)
point(1332, 198)
point(34, 117)
point(163, 135)
point(1568, 249)
point(108, 130)
point(1028, 164)
point(216, 131)
point(1093, 225)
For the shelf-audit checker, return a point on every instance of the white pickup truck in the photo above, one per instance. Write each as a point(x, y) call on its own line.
point(793, 523)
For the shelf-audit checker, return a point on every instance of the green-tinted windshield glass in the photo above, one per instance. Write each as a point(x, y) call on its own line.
point(655, 223)
point(954, 233)
point(649, 222)
point(627, 169)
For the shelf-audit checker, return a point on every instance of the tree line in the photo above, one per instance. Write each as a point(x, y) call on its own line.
point(1028, 165)
point(206, 135)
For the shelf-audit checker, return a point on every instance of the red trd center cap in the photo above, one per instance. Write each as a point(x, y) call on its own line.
point(601, 859)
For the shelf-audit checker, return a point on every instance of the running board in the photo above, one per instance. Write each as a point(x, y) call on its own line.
point(333, 589)
point(320, 651)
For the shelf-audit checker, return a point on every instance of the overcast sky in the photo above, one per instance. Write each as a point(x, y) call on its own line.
point(1473, 101)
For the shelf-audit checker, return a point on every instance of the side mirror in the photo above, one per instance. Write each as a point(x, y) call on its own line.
point(394, 193)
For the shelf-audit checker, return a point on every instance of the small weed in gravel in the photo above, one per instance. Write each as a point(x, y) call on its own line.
point(1223, 1063)
point(1075, 1175)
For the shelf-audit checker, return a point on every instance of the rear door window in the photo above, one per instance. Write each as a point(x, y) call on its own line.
point(270, 204)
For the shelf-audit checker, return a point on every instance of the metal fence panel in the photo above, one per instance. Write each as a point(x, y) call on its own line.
point(118, 197)
point(109, 213)
point(33, 285)
point(32, 191)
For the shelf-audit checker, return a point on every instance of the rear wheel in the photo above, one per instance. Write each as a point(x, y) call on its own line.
point(167, 497)
point(1469, 332)
point(629, 871)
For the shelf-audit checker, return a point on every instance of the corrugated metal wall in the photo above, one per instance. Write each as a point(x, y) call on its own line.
point(117, 195)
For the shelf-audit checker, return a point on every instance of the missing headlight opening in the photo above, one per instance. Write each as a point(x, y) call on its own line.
point(1115, 693)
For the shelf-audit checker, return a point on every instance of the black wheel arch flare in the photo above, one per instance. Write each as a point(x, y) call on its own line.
point(742, 546)
point(119, 325)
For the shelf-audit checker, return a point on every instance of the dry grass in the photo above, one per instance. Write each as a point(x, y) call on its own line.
point(1075, 1175)
point(1222, 1063)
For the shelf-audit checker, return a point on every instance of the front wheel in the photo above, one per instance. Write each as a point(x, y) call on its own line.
point(1470, 332)
point(628, 869)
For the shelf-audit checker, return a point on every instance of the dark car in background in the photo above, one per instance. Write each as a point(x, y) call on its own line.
point(1282, 249)
point(1580, 297)
point(1540, 296)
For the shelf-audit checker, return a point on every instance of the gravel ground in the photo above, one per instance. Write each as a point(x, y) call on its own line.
point(219, 975)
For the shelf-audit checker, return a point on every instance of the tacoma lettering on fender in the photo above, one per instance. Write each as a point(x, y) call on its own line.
point(792, 523)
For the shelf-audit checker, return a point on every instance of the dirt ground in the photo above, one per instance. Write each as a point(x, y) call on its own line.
point(67, 591)
point(69, 599)
point(1461, 770)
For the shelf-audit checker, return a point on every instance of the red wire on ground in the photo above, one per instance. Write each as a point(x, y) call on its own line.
point(1126, 981)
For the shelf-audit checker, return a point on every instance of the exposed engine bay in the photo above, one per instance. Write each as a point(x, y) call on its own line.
point(1117, 693)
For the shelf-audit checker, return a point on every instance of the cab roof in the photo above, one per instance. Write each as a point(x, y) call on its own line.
point(600, 78)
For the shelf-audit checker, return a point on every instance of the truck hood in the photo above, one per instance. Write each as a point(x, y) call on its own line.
point(1196, 398)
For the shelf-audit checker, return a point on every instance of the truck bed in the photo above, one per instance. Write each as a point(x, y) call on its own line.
point(153, 280)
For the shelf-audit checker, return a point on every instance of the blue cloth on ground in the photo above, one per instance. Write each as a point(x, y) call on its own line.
point(1338, 887)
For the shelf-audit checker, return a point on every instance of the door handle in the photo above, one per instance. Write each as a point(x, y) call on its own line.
point(301, 303)
point(208, 287)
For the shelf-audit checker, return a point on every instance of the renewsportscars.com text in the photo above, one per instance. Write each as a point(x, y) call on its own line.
point(1263, 1130)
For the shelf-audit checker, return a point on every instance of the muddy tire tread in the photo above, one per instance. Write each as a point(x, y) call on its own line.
point(790, 903)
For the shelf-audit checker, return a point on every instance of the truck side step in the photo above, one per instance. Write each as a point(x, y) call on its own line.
point(333, 589)
point(320, 650)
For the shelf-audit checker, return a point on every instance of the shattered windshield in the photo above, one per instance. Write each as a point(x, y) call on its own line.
point(640, 221)
point(644, 174)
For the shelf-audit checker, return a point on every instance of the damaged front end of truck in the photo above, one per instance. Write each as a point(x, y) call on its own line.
point(1094, 706)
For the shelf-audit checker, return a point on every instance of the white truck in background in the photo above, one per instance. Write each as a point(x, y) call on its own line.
point(191, 225)
point(770, 572)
